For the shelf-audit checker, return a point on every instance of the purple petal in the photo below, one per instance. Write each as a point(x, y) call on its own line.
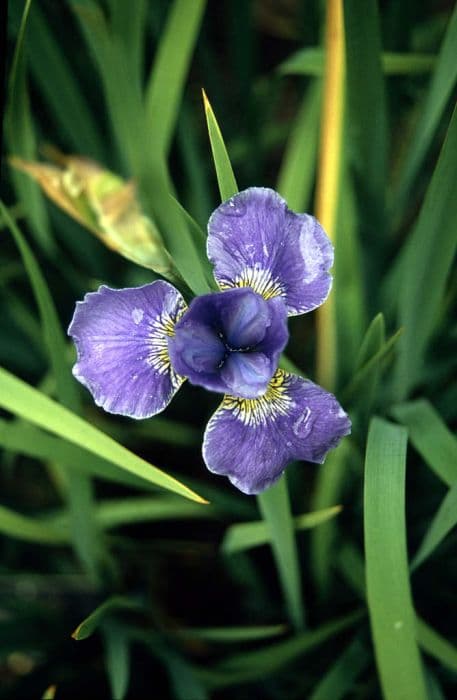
point(247, 374)
point(121, 337)
point(252, 441)
point(256, 241)
point(221, 328)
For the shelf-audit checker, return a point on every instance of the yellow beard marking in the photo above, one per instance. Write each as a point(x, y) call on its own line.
point(162, 328)
point(261, 281)
point(275, 402)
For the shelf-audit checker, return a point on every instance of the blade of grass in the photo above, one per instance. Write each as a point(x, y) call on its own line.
point(232, 635)
point(297, 171)
point(117, 658)
point(341, 676)
point(366, 114)
point(247, 535)
point(274, 506)
point(24, 439)
point(430, 437)
point(167, 76)
point(441, 87)
point(253, 665)
point(443, 521)
point(310, 61)
point(23, 400)
point(328, 180)
point(62, 93)
point(328, 490)
point(435, 645)
point(388, 591)
point(20, 134)
point(22, 527)
point(429, 254)
point(225, 176)
point(91, 623)
point(352, 568)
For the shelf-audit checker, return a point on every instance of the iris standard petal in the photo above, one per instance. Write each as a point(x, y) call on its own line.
point(255, 241)
point(252, 441)
point(220, 326)
point(121, 337)
point(247, 374)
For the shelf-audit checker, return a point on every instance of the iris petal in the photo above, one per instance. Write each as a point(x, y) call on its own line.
point(252, 441)
point(247, 374)
point(255, 241)
point(121, 337)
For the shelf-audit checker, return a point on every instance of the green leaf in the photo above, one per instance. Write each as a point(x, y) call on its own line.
point(247, 535)
point(430, 437)
point(24, 439)
point(431, 112)
point(20, 134)
point(435, 645)
point(62, 93)
point(444, 520)
point(166, 81)
point(373, 342)
point(22, 400)
point(364, 375)
point(329, 486)
point(310, 61)
point(225, 177)
point(298, 166)
point(257, 664)
point(22, 527)
point(114, 604)
point(388, 591)
point(117, 659)
point(274, 505)
point(352, 568)
point(366, 112)
point(426, 264)
point(341, 676)
point(230, 635)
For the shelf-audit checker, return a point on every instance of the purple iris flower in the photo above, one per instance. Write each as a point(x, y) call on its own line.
point(136, 346)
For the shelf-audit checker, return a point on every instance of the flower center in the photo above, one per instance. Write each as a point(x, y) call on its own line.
point(230, 341)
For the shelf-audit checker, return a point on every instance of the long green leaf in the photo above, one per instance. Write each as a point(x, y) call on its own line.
point(29, 529)
point(114, 604)
point(444, 520)
point(117, 658)
point(166, 81)
point(244, 536)
point(225, 176)
point(23, 400)
point(21, 139)
point(440, 90)
point(232, 635)
point(310, 61)
point(298, 166)
point(426, 265)
point(328, 490)
point(340, 678)
point(366, 113)
point(430, 437)
point(257, 664)
point(274, 505)
point(388, 592)
point(435, 645)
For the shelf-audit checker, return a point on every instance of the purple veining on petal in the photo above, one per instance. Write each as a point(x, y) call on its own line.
point(256, 241)
point(230, 342)
point(121, 337)
point(252, 441)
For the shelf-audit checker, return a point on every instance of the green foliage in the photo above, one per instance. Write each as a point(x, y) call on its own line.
point(163, 590)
